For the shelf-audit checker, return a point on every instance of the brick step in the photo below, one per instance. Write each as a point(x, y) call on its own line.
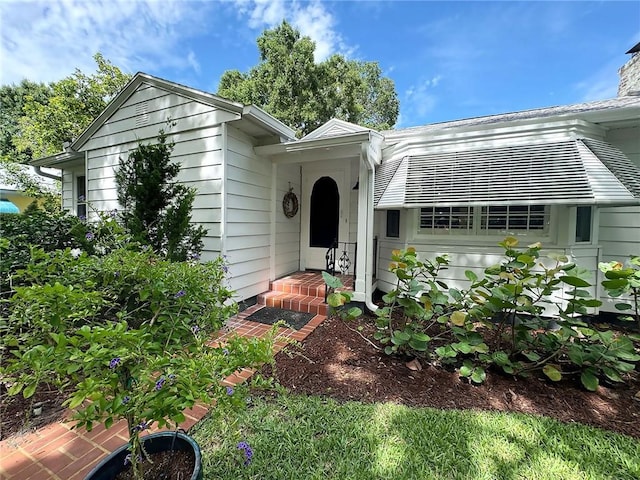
point(307, 289)
point(296, 302)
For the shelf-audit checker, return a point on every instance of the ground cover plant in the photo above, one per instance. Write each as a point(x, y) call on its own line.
point(296, 436)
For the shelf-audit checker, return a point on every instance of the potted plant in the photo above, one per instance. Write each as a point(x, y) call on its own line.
point(128, 335)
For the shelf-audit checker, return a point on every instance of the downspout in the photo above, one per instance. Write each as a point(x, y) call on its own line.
point(38, 170)
point(368, 279)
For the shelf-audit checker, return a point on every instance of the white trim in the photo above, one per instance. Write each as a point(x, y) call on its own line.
point(224, 201)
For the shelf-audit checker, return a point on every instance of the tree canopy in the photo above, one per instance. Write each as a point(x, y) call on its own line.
point(289, 85)
point(36, 119)
point(72, 105)
point(13, 99)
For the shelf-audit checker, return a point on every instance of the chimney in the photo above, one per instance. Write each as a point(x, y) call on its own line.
point(630, 74)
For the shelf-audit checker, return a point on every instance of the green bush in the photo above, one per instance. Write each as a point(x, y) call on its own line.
point(48, 230)
point(500, 320)
point(128, 334)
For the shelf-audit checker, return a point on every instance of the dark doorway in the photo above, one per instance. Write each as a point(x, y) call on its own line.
point(324, 213)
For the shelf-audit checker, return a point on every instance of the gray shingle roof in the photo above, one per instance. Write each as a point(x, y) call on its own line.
point(561, 110)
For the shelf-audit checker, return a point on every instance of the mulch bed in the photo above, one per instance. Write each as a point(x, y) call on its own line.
point(336, 361)
point(17, 414)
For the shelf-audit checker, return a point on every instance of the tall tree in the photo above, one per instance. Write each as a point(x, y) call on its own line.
point(74, 102)
point(13, 99)
point(36, 119)
point(157, 210)
point(303, 94)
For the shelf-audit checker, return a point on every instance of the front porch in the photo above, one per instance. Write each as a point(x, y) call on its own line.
point(301, 292)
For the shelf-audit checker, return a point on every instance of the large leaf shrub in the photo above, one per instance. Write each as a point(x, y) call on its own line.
point(503, 319)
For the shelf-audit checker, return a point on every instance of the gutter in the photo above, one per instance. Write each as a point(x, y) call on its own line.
point(368, 279)
point(39, 171)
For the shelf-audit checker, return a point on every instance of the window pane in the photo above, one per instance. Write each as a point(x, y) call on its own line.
point(81, 188)
point(583, 224)
point(81, 211)
point(514, 217)
point(393, 223)
point(446, 218)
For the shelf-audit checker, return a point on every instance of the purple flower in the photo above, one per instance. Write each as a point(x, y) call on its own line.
point(225, 351)
point(248, 453)
point(90, 236)
point(195, 329)
point(82, 218)
point(194, 256)
point(114, 363)
point(172, 378)
point(225, 269)
point(113, 213)
point(159, 383)
point(141, 426)
point(181, 293)
point(126, 399)
point(229, 391)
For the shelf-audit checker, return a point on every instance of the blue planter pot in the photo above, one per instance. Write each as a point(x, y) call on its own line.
point(111, 466)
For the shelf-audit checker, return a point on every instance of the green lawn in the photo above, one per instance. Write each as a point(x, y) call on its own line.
point(295, 437)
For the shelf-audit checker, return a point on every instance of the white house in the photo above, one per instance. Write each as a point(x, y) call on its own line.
point(568, 176)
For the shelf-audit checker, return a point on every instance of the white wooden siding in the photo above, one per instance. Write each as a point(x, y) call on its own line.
point(247, 236)
point(287, 230)
point(620, 227)
point(627, 140)
point(197, 139)
point(67, 190)
point(619, 239)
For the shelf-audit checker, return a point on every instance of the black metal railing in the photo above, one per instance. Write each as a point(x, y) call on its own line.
point(340, 260)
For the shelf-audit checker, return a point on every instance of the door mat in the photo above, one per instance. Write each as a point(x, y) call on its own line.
point(270, 315)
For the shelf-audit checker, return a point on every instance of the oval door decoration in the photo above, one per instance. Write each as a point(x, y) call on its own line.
point(290, 204)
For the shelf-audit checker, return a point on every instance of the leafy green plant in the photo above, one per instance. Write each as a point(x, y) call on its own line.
point(47, 229)
point(130, 341)
point(507, 308)
point(621, 281)
point(338, 298)
point(421, 308)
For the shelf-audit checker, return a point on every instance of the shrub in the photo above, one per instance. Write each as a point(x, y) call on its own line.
point(425, 318)
point(128, 333)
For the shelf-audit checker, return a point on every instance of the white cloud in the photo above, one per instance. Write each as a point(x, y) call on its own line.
point(419, 100)
point(312, 19)
point(46, 40)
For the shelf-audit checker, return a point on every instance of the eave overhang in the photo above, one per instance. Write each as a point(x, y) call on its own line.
point(349, 144)
point(59, 160)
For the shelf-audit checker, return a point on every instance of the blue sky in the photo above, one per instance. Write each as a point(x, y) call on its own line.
point(449, 60)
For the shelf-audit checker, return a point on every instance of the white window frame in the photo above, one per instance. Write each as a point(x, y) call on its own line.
point(477, 232)
point(78, 202)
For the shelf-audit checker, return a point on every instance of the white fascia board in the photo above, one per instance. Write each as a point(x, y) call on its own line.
point(516, 133)
point(312, 144)
point(271, 123)
point(56, 159)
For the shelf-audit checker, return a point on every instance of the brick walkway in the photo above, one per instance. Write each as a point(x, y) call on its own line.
point(56, 452)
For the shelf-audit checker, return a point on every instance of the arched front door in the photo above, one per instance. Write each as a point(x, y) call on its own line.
point(324, 213)
point(324, 218)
